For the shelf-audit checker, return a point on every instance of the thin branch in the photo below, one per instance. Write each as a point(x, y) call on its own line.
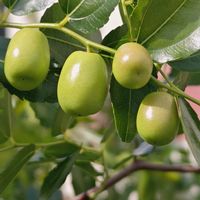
point(137, 166)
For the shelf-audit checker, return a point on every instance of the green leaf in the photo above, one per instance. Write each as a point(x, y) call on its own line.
point(25, 7)
point(168, 28)
point(57, 176)
point(89, 155)
point(191, 127)
point(45, 112)
point(62, 121)
point(62, 45)
point(3, 48)
point(16, 164)
point(81, 184)
point(52, 116)
point(116, 37)
point(61, 150)
point(5, 115)
point(194, 79)
point(189, 64)
point(88, 168)
point(88, 15)
point(46, 92)
point(125, 103)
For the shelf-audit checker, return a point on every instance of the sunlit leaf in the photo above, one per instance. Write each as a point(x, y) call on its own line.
point(25, 7)
point(88, 15)
point(169, 29)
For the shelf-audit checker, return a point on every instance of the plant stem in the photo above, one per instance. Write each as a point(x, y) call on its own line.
point(127, 19)
point(176, 90)
point(158, 67)
point(137, 166)
point(65, 30)
point(7, 148)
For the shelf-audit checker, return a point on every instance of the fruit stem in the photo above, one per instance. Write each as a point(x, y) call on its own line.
point(65, 30)
point(175, 90)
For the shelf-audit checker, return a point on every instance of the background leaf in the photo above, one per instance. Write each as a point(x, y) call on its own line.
point(125, 103)
point(88, 16)
point(171, 33)
point(191, 127)
point(3, 48)
point(25, 7)
point(52, 116)
point(57, 176)
point(45, 112)
point(5, 114)
point(18, 161)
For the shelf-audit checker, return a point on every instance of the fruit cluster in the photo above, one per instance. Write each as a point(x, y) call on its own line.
point(83, 82)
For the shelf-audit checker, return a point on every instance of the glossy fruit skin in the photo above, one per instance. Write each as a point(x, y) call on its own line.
point(83, 82)
point(132, 65)
point(27, 59)
point(157, 118)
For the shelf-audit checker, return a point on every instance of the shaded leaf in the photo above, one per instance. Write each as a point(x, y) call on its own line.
point(57, 176)
point(125, 103)
point(168, 34)
point(61, 150)
point(191, 127)
point(25, 7)
point(81, 184)
point(88, 168)
point(5, 115)
point(88, 15)
point(62, 45)
point(3, 48)
point(46, 92)
point(61, 122)
point(45, 112)
point(89, 155)
point(16, 164)
point(194, 79)
point(189, 64)
point(182, 79)
point(116, 37)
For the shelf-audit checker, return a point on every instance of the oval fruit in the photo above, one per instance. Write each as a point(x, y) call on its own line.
point(132, 65)
point(27, 59)
point(82, 86)
point(157, 118)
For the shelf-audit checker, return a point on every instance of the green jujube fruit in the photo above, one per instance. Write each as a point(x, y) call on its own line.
point(27, 59)
point(132, 65)
point(157, 118)
point(83, 83)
